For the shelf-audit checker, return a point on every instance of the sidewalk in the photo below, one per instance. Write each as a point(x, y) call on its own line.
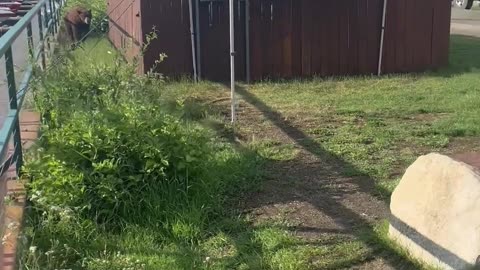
point(12, 194)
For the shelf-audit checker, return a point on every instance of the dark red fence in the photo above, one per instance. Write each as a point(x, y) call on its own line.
point(298, 38)
point(170, 20)
point(417, 35)
point(309, 37)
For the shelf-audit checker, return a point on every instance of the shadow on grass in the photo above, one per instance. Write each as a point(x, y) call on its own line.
point(464, 56)
point(326, 199)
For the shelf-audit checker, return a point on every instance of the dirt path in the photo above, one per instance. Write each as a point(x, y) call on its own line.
point(310, 193)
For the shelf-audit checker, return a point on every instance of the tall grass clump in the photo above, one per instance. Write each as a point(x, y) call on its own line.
point(113, 164)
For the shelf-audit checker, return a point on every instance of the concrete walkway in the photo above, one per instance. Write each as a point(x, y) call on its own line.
point(13, 189)
point(20, 60)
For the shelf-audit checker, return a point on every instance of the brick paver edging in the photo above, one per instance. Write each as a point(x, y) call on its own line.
point(13, 194)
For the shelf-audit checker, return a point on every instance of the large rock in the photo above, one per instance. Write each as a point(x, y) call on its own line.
point(436, 212)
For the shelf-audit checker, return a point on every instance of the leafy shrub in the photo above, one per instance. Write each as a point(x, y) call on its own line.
point(112, 159)
point(104, 164)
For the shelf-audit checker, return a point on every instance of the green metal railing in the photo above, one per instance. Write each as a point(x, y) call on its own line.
point(48, 14)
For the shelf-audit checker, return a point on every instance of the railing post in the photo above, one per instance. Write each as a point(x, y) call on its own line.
point(47, 36)
point(53, 11)
point(59, 15)
point(30, 39)
point(12, 96)
point(40, 33)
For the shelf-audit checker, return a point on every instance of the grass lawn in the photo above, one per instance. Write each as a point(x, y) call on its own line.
point(317, 160)
point(336, 146)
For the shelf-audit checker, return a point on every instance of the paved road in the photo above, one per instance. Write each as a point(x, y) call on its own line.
point(466, 22)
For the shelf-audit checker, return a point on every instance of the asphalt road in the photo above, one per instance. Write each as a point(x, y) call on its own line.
point(466, 22)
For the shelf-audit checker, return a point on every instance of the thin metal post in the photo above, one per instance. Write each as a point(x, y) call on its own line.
point(62, 3)
point(40, 33)
point(197, 31)
point(382, 38)
point(247, 39)
point(45, 18)
point(12, 96)
point(53, 13)
point(48, 30)
point(12, 88)
point(30, 39)
point(192, 38)
point(232, 59)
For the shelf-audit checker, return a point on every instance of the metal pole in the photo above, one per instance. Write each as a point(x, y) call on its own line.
point(40, 34)
point(232, 59)
point(382, 37)
point(48, 33)
point(192, 38)
point(247, 38)
point(197, 25)
point(30, 39)
point(12, 95)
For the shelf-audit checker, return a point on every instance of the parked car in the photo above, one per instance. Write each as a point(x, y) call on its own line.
point(465, 4)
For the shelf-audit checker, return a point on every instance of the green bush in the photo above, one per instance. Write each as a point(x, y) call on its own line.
point(104, 164)
point(114, 157)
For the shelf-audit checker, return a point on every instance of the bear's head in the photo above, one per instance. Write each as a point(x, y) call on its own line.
point(85, 15)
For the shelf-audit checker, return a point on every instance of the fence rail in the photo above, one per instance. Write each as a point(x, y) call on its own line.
point(48, 13)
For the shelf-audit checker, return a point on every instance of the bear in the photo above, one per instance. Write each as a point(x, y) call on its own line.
point(77, 23)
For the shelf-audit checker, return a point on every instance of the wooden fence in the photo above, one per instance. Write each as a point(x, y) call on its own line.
point(124, 32)
point(300, 38)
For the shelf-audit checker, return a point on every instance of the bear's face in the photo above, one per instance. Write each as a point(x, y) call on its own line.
point(85, 15)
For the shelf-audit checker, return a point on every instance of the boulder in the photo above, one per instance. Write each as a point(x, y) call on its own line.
point(436, 212)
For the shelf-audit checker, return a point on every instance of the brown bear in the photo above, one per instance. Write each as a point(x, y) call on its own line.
point(77, 23)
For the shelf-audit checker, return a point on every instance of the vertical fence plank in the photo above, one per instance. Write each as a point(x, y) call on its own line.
point(353, 37)
point(296, 37)
point(343, 35)
point(363, 37)
point(334, 34)
point(307, 31)
point(400, 32)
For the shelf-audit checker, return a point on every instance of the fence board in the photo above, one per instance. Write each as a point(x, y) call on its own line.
point(300, 38)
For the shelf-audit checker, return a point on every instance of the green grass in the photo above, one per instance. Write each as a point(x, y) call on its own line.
point(374, 126)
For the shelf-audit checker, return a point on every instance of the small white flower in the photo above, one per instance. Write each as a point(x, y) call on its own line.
point(32, 249)
point(5, 239)
point(13, 225)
